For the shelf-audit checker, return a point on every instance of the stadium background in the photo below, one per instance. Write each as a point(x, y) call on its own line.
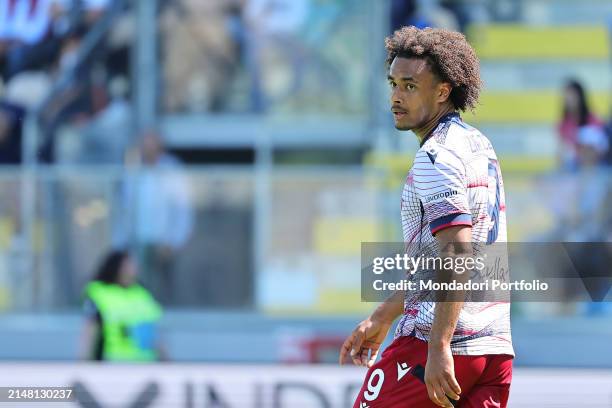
point(289, 161)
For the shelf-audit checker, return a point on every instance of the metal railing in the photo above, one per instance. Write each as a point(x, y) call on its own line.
point(255, 232)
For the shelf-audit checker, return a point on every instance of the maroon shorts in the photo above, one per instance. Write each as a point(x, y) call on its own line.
point(397, 380)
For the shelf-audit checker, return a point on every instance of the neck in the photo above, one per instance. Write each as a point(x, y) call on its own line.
point(423, 131)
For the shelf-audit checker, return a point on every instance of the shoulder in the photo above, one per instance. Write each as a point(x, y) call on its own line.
point(444, 150)
point(456, 142)
point(142, 292)
point(92, 288)
point(139, 289)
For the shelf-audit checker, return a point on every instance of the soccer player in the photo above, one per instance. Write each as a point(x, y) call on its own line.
point(443, 351)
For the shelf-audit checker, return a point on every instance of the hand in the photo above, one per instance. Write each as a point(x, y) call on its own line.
point(364, 342)
point(440, 376)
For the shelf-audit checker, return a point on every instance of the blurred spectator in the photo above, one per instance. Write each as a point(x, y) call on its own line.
point(158, 215)
point(608, 129)
point(118, 45)
point(108, 135)
point(576, 116)
point(421, 14)
point(26, 40)
point(122, 317)
point(11, 128)
point(591, 146)
point(272, 28)
point(83, 11)
point(40, 41)
point(104, 137)
point(199, 53)
point(581, 205)
point(28, 89)
point(404, 12)
point(94, 9)
point(86, 13)
point(466, 12)
point(77, 103)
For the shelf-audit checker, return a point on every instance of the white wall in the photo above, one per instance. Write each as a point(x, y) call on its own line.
point(263, 386)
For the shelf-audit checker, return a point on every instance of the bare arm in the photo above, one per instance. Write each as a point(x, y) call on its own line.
point(440, 371)
point(364, 342)
point(391, 308)
point(454, 242)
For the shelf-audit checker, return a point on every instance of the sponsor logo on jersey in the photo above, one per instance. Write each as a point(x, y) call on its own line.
point(443, 194)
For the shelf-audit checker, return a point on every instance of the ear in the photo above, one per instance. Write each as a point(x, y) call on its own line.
point(444, 91)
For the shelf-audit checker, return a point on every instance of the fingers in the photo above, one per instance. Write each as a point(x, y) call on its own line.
point(357, 341)
point(368, 353)
point(358, 337)
point(362, 352)
point(439, 390)
point(373, 357)
point(374, 349)
point(454, 385)
point(346, 348)
point(359, 345)
point(436, 394)
point(448, 390)
point(364, 357)
point(352, 347)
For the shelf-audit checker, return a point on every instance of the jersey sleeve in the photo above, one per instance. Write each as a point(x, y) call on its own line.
point(440, 182)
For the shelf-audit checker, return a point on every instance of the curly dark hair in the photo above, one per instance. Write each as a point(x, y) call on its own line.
point(449, 55)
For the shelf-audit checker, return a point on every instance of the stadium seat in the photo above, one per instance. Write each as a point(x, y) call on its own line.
point(515, 41)
point(528, 107)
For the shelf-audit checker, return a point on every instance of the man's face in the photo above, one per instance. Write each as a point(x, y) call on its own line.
point(414, 91)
